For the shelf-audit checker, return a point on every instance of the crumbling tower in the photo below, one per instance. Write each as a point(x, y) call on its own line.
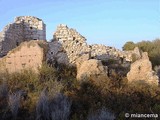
point(24, 28)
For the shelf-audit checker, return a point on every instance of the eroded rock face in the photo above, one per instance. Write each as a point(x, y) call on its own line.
point(29, 55)
point(92, 70)
point(141, 70)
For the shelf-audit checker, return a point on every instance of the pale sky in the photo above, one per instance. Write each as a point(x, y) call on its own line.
point(109, 22)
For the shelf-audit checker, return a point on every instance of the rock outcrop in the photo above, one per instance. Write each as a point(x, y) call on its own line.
point(28, 55)
point(92, 70)
point(141, 70)
point(24, 28)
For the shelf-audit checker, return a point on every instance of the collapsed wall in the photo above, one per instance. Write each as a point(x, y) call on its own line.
point(68, 45)
point(141, 71)
point(28, 55)
point(24, 28)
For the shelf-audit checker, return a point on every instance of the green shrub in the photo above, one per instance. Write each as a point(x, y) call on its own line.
point(129, 46)
point(134, 58)
point(152, 47)
point(114, 94)
point(47, 73)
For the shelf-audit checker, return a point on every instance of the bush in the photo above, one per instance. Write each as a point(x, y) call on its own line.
point(60, 107)
point(134, 58)
point(14, 103)
point(56, 108)
point(152, 47)
point(101, 114)
point(54, 103)
point(129, 46)
point(3, 90)
point(22, 80)
point(42, 108)
point(47, 73)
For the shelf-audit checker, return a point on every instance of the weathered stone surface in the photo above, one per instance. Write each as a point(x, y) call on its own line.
point(24, 28)
point(57, 53)
point(93, 70)
point(70, 48)
point(82, 58)
point(137, 52)
point(132, 55)
point(29, 55)
point(141, 70)
point(157, 69)
point(74, 45)
point(71, 42)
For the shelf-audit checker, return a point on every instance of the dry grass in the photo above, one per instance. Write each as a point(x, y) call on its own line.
point(60, 107)
point(101, 114)
point(3, 90)
point(14, 103)
point(42, 108)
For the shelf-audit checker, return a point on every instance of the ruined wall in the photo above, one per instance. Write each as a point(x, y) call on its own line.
point(10, 37)
point(29, 55)
point(33, 28)
point(68, 45)
point(71, 43)
point(103, 52)
point(24, 28)
point(141, 71)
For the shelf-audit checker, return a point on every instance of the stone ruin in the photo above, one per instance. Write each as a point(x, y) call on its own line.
point(68, 45)
point(28, 55)
point(141, 71)
point(24, 28)
point(21, 48)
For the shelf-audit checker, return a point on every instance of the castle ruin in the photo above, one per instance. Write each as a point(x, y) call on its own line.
point(23, 45)
point(24, 28)
point(68, 45)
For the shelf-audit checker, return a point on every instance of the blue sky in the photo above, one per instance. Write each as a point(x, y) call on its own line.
point(109, 22)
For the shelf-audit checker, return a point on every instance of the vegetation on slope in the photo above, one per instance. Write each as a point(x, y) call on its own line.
point(55, 94)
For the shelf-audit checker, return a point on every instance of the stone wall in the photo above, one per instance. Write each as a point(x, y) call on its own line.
point(29, 55)
point(141, 71)
point(68, 45)
point(71, 44)
point(24, 28)
point(33, 28)
point(103, 52)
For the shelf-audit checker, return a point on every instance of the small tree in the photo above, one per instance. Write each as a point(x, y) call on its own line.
point(129, 46)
